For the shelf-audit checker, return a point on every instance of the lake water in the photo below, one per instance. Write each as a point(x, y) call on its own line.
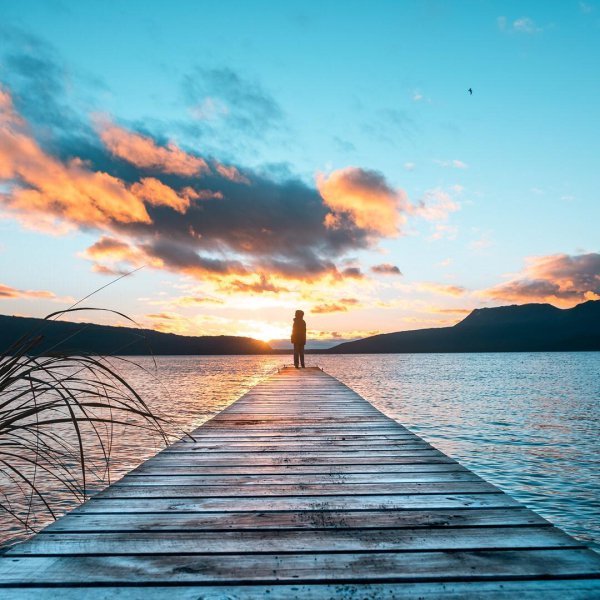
point(527, 422)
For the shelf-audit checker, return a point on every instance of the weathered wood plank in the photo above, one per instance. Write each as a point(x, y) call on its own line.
point(288, 460)
point(308, 519)
point(298, 432)
point(266, 503)
point(374, 455)
point(293, 490)
point(296, 479)
point(281, 541)
point(299, 446)
point(297, 568)
point(152, 468)
point(215, 427)
point(294, 439)
point(573, 589)
point(325, 449)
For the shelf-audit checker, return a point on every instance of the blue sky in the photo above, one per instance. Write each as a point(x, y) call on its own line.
point(496, 192)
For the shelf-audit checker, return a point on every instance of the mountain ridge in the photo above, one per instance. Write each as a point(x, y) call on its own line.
point(92, 338)
point(514, 328)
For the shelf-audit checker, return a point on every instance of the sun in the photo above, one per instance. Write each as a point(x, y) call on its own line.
point(265, 332)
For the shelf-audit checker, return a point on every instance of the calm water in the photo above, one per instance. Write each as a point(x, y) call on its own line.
point(527, 422)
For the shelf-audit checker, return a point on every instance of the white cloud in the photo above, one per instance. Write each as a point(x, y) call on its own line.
point(524, 25)
point(436, 205)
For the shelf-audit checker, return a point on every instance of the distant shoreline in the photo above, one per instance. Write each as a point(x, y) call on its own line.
point(517, 328)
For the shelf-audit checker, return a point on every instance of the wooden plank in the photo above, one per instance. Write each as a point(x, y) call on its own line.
point(152, 468)
point(281, 541)
point(294, 490)
point(296, 427)
point(206, 431)
point(573, 589)
point(298, 446)
point(296, 479)
point(260, 439)
point(266, 503)
point(373, 454)
point(308, 519)
point(327, 449)
point(285, 460)
point(297, 568)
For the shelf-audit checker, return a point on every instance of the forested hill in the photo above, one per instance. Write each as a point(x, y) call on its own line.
point(90, 338)
point(524, 328)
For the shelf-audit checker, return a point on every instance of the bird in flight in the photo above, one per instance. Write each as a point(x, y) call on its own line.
point(470, 91)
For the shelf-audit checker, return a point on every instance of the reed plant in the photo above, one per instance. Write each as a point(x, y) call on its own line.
point(57, 409)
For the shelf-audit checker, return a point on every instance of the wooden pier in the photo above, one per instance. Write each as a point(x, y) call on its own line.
point(300, 489)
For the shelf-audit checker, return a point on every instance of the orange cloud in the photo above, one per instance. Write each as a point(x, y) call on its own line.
point(142, 151)
point(258, 285)
point(109, 248)
point(560, 279)
point(10, 293)
point(157, 193)
point(341, 305)
point(7, 112)
point(197, 300)
point(365, 198)
point(48, 187)
point(104, 270)
point(169, 322)
point(231, 173)
point(111, 256)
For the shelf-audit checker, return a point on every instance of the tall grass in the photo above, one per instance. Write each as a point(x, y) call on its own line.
point(57, 410)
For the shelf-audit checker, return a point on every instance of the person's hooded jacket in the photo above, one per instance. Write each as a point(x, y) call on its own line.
point(299, 331)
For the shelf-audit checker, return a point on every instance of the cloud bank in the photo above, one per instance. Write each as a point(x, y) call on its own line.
point(10, 293)
point(560, 279)
point(155, 203)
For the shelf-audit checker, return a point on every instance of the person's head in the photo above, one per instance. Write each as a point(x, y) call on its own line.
point(299, 314)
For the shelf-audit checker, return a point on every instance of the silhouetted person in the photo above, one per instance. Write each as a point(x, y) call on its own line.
point(299, 338)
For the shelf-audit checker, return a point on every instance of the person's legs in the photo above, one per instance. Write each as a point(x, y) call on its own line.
point(296, 355)
point(302, 355)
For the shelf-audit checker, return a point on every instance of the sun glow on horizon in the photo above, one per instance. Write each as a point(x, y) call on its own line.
point(265, 332)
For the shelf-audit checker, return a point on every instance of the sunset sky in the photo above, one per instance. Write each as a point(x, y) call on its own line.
point(259, 157)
